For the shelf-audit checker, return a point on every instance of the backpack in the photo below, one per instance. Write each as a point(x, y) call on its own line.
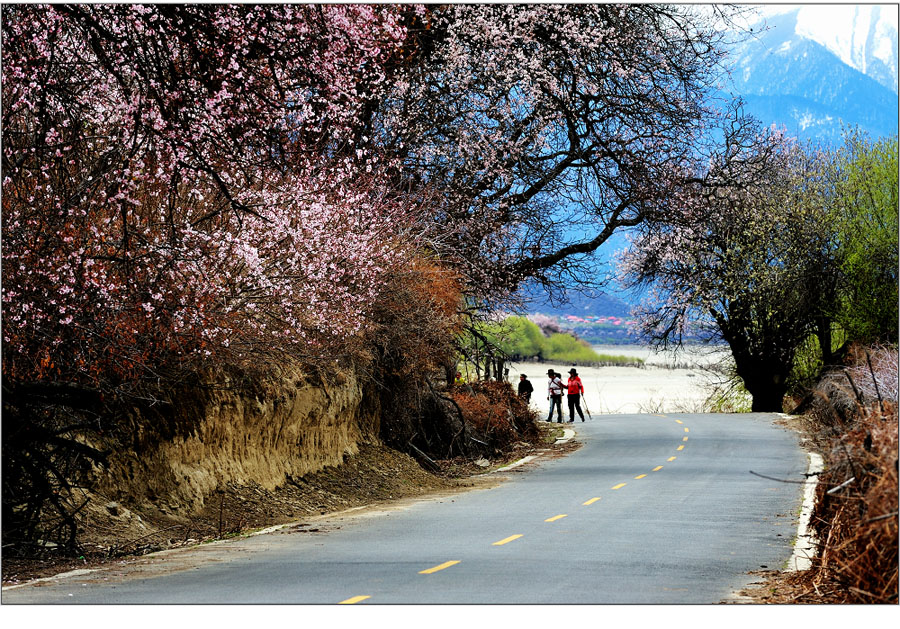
point(556, 387)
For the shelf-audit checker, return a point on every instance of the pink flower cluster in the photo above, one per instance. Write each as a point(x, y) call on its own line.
point(180, 180)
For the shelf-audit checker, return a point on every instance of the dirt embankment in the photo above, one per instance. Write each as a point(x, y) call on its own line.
point(228, 453)
point(281, 427)
point(236, 458)
point(220, 442)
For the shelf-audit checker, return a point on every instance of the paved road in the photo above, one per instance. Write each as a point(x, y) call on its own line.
point(652, 509)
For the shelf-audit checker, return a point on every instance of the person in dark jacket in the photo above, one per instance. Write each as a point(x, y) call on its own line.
point(525, 388)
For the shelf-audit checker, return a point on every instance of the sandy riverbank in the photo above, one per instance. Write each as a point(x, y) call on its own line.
point(656, 388)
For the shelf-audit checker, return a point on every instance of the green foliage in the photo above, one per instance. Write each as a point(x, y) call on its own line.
point(860, 200)
point(728, 396)
point(807, 366)
point(808, 360)
point(517, 336)
point(566, 348)
point(520, 337)
point(864, 213)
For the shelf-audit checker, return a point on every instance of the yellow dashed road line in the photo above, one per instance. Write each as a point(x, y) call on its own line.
point(355, 599)
point(678, 421)
point(556, 517)
point(619, 486)
point(446, 564)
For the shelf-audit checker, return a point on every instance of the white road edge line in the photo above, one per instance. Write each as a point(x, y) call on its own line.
point(80, 572)
point(568, 434)
point(804, 548)
point(65, 575)
point(522, 461)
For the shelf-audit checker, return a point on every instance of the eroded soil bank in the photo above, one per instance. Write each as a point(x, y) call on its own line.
point(374, 475)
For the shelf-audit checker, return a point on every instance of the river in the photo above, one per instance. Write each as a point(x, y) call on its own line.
point(670, 382)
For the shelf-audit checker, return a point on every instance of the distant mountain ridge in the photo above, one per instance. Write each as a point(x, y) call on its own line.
point(788, 78)
point(815, 77)
point(869, 45)
point(600, 305)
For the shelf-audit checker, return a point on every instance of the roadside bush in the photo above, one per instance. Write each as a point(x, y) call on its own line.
point(416, 322)
point(497, 413)
point(416, 319)
point(855, 517)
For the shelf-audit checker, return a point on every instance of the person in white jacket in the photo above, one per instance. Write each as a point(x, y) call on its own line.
point(554, 394)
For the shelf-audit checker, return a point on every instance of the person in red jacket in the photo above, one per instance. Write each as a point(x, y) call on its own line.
point(575, 389)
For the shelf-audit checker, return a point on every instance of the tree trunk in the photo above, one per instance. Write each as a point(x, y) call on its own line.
point(823, 332)
point(499, 373)
point(768, 397)
point(764, 377)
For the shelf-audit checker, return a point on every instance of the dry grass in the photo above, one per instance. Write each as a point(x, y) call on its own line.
point(854, 423)
point(857, 519)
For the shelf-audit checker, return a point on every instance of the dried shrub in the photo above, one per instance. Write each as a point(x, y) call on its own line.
point(856, 511)
point(416, 319)
point(869, 379)
point(857, 524)
point(496, 412)
point(874, 372)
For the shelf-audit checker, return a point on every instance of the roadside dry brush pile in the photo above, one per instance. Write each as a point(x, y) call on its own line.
point(856, 513)
point(55, 436)
point(45, 459)
point(494, 409)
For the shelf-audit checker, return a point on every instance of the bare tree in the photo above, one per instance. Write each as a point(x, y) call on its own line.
point(747, 260)
point(547, 127)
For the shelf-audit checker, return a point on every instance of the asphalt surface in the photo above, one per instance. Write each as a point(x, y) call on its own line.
point(652, 509)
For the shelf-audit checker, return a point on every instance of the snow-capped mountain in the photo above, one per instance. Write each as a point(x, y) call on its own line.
point(817, 67)
point(862, 36)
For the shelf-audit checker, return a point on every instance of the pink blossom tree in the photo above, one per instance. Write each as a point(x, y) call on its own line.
point(181, 188)
point(548, 127)
point(180, 181)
